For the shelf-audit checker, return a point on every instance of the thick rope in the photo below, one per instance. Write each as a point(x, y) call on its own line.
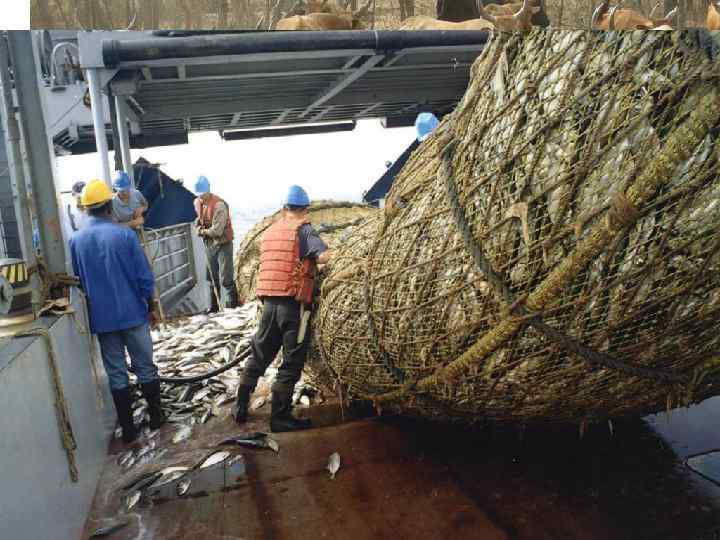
point(67, 438)
point(620, 213)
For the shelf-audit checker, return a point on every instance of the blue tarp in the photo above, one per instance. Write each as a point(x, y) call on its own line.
point(169, 202)
point(380, 188)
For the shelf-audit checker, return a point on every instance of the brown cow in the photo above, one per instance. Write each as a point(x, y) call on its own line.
point(513, 21)
point(666, 21)
point(519, 21)
point(606, 18)
point(324, 20)
point(713, 15)
point(428, 23)
point(539, 17)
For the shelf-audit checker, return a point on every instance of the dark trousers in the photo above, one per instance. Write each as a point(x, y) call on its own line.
point(279, 326)
point(221, 275)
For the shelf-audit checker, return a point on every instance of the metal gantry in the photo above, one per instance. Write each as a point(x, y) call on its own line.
point(239, 84)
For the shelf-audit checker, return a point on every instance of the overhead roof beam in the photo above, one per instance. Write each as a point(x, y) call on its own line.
point(115, 52)
point(321, 114)
point(368, 109)
point(343, 83)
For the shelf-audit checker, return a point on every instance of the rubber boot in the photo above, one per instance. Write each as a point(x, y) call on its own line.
point(123, 402)
point(214, 308)
point(151, 392)
point(281, 418)
point(243, 398)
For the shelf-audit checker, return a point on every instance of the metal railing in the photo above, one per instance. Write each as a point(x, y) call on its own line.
point(171, 255)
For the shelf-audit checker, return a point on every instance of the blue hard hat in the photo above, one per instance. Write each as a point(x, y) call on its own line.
point(297, 196)
point(202, 185)
point(425, 124)
point(121, 182)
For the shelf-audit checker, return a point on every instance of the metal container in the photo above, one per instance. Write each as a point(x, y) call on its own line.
point(15, 291)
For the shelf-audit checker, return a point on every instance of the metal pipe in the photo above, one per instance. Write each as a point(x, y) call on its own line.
point(116, 51)
point(115, 131)
point(124, 139)
point(171, 272)
point(39, 152)
point(186, 282)
point(17, 173)
point(288, 131)
point(98, 115)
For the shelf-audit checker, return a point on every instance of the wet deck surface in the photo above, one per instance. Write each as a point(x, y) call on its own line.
point(406, 479)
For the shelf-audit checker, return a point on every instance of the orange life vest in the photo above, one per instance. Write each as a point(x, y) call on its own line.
point(282, 273)
point(206, 210)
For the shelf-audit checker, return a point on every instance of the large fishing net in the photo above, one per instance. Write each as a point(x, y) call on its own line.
point(551, 252)
point(333, 220)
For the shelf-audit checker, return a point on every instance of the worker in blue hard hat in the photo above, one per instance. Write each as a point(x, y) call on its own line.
point(129, 204)
point(425, 124)
point(290, 251)
point(118, 283)
point(215, 227)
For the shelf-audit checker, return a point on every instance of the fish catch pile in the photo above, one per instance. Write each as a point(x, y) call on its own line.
point(187, 350)
point(550, 253)
point(333, 220)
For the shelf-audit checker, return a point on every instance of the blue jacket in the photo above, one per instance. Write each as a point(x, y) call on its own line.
point(114, 273)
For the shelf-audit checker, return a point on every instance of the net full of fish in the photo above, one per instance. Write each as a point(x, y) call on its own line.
point(550, 253)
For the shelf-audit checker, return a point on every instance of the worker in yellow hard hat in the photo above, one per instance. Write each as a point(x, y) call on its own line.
point(119, 284)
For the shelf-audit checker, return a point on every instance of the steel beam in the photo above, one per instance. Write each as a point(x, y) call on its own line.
point(38, 148)
point(11, 128)
point(343, 83)
point(280, 118)
point(124, 133)
point(118, 164)
point(322, 113)
point(96, 103)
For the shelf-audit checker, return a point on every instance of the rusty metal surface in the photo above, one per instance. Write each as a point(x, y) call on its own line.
point(402, 479)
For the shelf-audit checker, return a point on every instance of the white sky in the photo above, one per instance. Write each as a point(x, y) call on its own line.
point(253, 175)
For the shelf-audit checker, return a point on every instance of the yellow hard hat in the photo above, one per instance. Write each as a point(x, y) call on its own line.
point(95, 193)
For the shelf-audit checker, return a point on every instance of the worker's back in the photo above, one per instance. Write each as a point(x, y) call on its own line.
point(114, 272)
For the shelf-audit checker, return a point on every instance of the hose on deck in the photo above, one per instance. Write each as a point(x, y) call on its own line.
point(190, 380)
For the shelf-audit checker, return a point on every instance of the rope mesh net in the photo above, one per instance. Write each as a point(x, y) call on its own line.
point(551, 252)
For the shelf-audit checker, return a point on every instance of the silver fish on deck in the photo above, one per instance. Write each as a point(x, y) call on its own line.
point(169, 475)
point(150, 456)
point(253, 440)
point(109, 529)
point(131, 500)
point(192, 347)
point(183, 433)
point(333, 464)
point(183, 486)
point(214, 459)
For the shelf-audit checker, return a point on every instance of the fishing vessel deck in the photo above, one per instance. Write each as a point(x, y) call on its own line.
point(405, 479)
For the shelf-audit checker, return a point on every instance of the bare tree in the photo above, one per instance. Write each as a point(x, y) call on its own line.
point(407, 9)
point(222, 12)
point(64, 14)
point(40, 14)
